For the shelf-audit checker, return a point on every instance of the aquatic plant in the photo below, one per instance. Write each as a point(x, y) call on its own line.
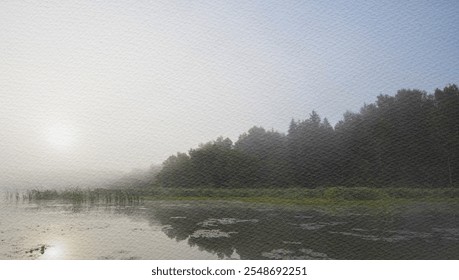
point(91, 196)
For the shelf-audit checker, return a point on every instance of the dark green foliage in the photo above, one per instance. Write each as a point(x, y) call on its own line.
point(214, 164)
point(268, 153)
point(446, 131)
point(410, 139)
point(176, 171)
point(311, 151)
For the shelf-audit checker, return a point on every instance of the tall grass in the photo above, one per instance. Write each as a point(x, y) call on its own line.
point(92, 196)
point(131, 196)
point(329, 193)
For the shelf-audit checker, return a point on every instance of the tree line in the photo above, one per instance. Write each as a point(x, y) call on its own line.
point(410, 139)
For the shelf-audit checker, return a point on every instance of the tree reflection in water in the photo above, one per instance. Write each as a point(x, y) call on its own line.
point(236, 230)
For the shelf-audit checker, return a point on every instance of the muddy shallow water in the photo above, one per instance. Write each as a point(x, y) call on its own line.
point(225, 230)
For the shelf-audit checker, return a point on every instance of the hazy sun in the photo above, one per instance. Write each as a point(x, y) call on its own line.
point(61, 136)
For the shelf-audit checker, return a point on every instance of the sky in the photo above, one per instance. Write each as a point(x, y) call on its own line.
point(117, 85)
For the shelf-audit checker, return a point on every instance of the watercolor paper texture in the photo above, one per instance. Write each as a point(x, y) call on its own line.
point(229, 130)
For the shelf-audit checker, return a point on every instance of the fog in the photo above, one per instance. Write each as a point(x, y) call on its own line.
point(90, 90)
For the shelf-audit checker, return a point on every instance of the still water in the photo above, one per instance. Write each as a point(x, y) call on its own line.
point(225, 230)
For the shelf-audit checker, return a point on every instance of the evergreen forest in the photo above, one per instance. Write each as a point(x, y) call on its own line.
point(407, 140)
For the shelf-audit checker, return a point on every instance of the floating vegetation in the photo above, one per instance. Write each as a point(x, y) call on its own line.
point(448, 233)
point(291, 242)
point(40, 249)
point(278, 254)
point(312, 226)
point(389, 235)
point(311, 254)
point(210, 233)
point(303, 217)
point(167, 228)
point(319, 225)
point(302, 254)
point(225, 221)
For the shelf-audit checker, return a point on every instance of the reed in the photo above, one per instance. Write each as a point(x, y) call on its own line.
point(91, 196)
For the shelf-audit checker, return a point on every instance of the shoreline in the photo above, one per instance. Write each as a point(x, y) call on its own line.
point(326, 197)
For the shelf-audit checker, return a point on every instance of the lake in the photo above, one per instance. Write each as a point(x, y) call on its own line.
point(225, 230)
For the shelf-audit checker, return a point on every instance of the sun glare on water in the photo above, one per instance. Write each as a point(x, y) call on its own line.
point(53, 252)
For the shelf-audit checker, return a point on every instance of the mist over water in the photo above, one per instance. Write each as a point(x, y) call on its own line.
point(91, 90)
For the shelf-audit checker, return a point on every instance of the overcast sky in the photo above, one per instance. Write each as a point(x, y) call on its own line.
point(110, 85)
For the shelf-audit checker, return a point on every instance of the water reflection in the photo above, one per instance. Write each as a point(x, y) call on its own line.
point(276, 233)
point(55, 252)
point(260, 232)
point(215, 230)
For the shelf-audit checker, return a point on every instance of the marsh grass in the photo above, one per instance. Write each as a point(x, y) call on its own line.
point(318, 196)
point(91, 196)
point(283, 196)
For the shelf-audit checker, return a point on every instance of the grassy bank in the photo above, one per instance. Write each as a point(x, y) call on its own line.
point(283, 196)
point(319, 196)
